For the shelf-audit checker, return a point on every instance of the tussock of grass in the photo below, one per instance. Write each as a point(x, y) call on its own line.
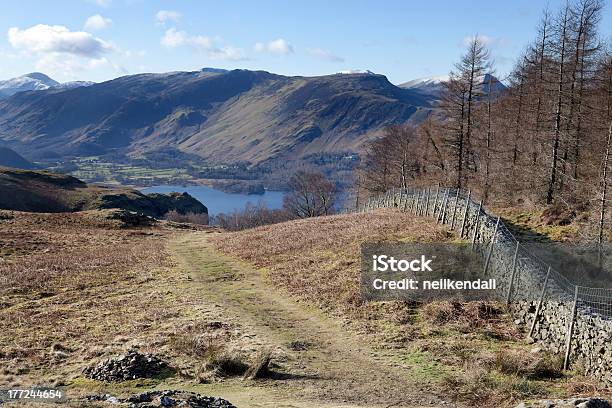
point(477, 385)
point(544, 366)
point(473, 313)
point(225, 363)
point(200, 339)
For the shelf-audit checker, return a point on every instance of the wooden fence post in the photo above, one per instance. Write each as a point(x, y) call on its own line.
point(435, 203)
point(570, 331)
point(476, 224)
point(455, 210)
point(467, 206)
point(512, 274)
point(421, 202)
point(491, 244)
point(444, 206)
point(539, 306)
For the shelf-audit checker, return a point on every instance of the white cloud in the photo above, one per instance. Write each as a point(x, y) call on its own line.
point(163, 16)
point(174, 38)
point(61, 52)
point(278, 46)
point(228, 53)
point(97, 22)
point(324, 54)
point(102, 3)
point(44, 38)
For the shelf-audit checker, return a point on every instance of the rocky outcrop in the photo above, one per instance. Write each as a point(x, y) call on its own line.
point(131, 218)
point(154, 205)
point(43, 191)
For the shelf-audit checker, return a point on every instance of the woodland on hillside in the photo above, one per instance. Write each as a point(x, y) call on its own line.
point(544, 139)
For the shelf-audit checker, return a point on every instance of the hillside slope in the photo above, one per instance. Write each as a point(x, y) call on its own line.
point(10, 158)
point(42, 191)
point(223, 117)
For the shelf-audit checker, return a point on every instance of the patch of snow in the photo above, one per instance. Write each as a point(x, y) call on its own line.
point(356, 71)
point(424, 82)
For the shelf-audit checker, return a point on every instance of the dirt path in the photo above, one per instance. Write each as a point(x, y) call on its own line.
point(330, 367)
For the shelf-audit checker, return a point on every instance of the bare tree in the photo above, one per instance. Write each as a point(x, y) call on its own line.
point(392, 160)
point(310, 195)
point(562, 33)
point(461, 93)
point(604, 187)
point(453, 105)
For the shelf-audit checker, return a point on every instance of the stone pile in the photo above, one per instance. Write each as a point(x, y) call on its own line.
point(167, 398)
point(128, 366)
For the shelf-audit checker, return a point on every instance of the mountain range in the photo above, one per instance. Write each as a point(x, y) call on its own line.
point(221, 116)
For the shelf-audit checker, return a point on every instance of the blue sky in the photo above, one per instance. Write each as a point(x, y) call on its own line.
point(103, 39)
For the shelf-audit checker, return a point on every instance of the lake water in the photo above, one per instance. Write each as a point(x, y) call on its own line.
point(220, 202)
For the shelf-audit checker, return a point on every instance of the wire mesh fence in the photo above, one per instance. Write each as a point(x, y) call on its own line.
point(570, 318)
point(523, 274)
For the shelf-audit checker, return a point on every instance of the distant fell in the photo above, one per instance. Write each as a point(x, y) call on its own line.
point(220, 116)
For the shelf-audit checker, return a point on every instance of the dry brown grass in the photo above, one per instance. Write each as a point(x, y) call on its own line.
point(318, 259)
point(477, 385)
point(78, 287)
point(64, 279)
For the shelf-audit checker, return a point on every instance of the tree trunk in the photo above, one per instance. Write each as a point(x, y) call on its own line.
point(555, 152)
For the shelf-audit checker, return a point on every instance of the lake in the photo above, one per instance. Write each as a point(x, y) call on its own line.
point(220, 202)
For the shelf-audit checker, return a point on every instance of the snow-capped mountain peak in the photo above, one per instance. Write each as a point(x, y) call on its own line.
point(34, 81)
point(424, 82)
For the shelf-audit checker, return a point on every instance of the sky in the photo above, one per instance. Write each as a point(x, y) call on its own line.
point(99, 40)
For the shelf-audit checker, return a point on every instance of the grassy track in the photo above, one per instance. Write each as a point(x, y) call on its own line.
point(336, 369)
